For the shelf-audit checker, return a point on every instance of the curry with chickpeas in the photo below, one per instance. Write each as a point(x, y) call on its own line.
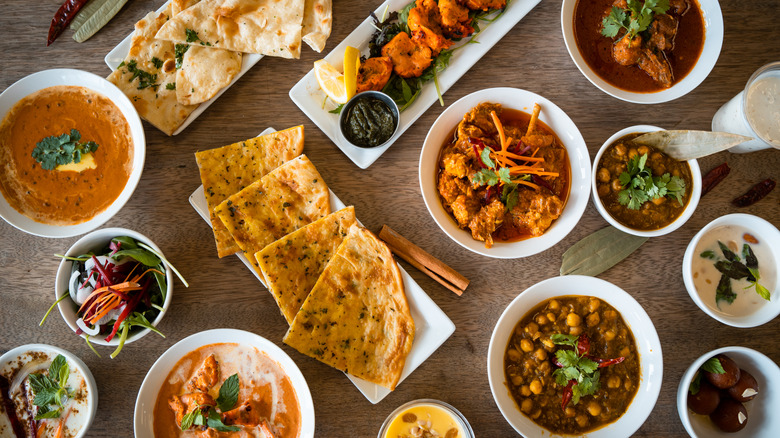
point(640, 186)
point(572, 365)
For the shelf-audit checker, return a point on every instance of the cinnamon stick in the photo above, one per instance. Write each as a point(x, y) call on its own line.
point(428, 264)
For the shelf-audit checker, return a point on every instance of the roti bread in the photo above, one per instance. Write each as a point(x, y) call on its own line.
point(291, 196)
point(292, 264)
point(227, 170)
point(356, 318)
point(266, 27)
point(204, 71)
point(317, 23)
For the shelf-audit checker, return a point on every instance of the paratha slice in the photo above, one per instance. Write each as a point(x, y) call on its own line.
point(266, 27)
point(356, 318)
point(292, 264)
point(317, 23)
point(291, 196)
point(227, 170)
point(204, 71)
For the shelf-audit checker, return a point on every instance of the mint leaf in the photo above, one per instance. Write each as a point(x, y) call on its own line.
point(55, 413)
point(228, 393)
point(708, 255)
point(188, 420)
point(713, 365)
point(56, 365)
point(215, 422)
point(724, 292)
point(763, 292)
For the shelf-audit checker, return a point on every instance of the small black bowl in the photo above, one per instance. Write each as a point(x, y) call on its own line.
point(384, 98)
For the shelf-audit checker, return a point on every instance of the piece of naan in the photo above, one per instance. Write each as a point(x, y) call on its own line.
point(205, 71)
point(292, 264)
point(317, 23)
point(291, 196)
point(266, 27)
point(226, 170)
point(357, 318)
point(148, 76)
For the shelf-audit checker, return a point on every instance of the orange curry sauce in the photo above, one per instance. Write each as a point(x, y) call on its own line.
point(64, 197)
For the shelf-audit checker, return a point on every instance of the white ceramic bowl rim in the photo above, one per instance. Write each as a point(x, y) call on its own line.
point(713, 42)
point(563, 127)
point(428, 401)
point(49, 78)
point(89, 379)
point(147, 394)
point(645, 335)
point(690, 208)
point(94, 241)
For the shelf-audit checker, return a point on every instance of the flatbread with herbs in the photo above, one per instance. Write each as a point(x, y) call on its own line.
point(357, 318)
point(227, 170)
point(317, 23)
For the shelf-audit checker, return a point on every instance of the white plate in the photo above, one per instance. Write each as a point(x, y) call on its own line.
point(432, 326)
point(564, 128)
point(309, 98)
point(143, 417)
point(119, 53)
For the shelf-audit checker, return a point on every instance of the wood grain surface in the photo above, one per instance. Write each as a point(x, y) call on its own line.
point(223, 293)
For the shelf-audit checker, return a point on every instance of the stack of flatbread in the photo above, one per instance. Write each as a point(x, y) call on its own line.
point(184, 55)
point(336, 284)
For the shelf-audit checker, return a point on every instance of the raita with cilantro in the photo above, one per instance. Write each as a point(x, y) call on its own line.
point(640, 186)
point(504, 175)
point(572, 364)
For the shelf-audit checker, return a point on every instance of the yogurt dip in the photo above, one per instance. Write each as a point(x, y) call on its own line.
point(426, 418)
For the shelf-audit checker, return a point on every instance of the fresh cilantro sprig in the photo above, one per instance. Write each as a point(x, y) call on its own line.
point(492, 175)
point(575, 366)
point(178, 53)
point(51, 392)
point(635, 19)
point(227, 399)
point(59, 150)
point(640, 186)
point(732, 268)
point(145, 79)
point(712, 365)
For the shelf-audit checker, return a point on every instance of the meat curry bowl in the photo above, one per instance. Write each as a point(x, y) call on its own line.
point(643, 209)
point(643, 53)
point(505, 173)
point(575, 355)
point(72, 149)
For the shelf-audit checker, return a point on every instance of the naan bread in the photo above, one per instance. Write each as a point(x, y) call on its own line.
point(205, 71)
point(225, 171)
point(155, 100)
point(356, 317)
point(291, 196)
point(180, 5)
point(292, 264)
point(317, 23)
point(266, 27)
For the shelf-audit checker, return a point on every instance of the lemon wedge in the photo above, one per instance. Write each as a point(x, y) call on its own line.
point(351, 67)
point(331, 81)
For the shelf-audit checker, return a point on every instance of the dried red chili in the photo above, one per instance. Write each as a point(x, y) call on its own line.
point(714, 177)
point(755, 194)
point(62, 18)
point(567, 394)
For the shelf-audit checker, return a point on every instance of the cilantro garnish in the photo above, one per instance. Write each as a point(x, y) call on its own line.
point(145, 79)
point(178, 52)
point(576, 367)
point(635, 19)
point(227, 399)
point(192, 36)
point(640, 186)
point(492, 175)
point(50, 390)
point(59, 150)
point(157, 62)
point(732, 268)
point(170, 86)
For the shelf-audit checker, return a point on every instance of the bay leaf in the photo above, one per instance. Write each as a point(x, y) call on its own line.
point(599, 251)
point(685, 145)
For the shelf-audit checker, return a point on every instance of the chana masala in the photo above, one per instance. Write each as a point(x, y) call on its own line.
point(540, 357)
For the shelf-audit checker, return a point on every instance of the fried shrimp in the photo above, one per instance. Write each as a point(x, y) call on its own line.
point(409, 59)
point(374, 73)
point(425, 25)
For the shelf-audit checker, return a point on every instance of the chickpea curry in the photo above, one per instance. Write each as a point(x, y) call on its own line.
point(572, 364)
point(504, 176)
point(640, 186)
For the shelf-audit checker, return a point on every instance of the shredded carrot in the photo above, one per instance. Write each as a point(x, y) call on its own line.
point(534, 117)
point(535, 151)
point(526, 183)
point(500, 129)
point(131, 272)
point(534, 172)
point(128, 286)
point(519, 157)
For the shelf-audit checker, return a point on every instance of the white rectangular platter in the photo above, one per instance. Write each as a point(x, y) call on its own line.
point(119, 53)
point(432, 326)
point(309, 98)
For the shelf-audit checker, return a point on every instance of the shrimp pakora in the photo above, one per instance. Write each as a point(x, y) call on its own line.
point(485, 5)
point(455, 20)
point(374, 73)
point(425, 25)
point(409, 59)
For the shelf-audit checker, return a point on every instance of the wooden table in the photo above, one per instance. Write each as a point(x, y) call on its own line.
point(223, 293)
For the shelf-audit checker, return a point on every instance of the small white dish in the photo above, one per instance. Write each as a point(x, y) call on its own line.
point(763, 421)
point(309, 98)
point(119, 53)
point(384, 98)
point(11, 358)
point(454, 413)
point(557, 120)
point(762, 230)
point(713, 41)
point(51, 78)
point(689, 208)
point(143, 416)
point(647, 342)
point(95, 241)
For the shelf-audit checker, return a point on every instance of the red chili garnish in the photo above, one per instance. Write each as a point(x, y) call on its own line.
point(567, 394)
point(583, 344)
point(129, 307)
point(488, 193)
point(62, 18)
point(538, 180)
point(606, 362)
point(713, 177)
point(524, 150)
point(755, 194)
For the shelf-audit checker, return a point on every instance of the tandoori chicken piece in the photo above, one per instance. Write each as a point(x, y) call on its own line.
point(455, 20)
point(487, 221)
point(409, 59)
point(456, 164)
point(374, 73)
point(244, 415)
point(185, 404)
point(484, 5)
point(535, 211)
point(451, 187)
point(425, 24)
point(206, 377)
point(478, 123)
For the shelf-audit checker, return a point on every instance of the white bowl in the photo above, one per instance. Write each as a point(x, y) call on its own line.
point(95, 241)
point(686, 214)
point(647, 342)
point(454, 413)
point(763, 421)
point(12, 355)
point(143, 417)
point(760, 228)
point(563, 127)
point(713, 40)
point(50, 78)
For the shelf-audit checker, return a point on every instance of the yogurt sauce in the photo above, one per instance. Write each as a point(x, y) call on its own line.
point(762, 108)
point(430, 418)
point(706, 276)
